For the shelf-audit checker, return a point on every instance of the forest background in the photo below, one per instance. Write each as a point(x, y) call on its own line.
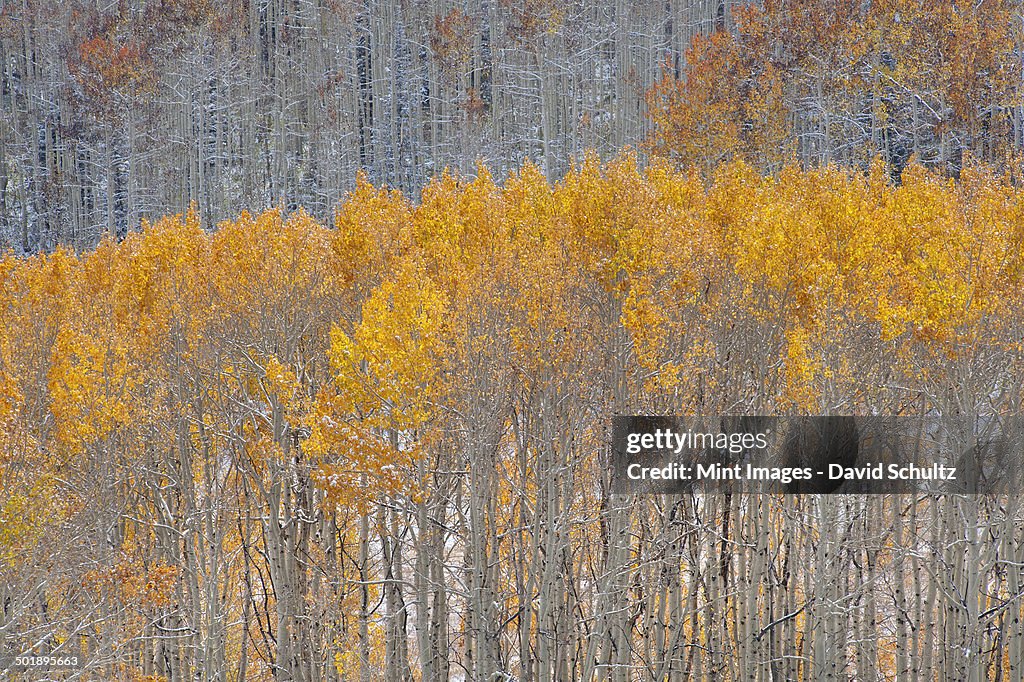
point(113, 112)
point(281, 400)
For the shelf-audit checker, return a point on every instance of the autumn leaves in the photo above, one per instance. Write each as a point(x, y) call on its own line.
point(380, 324)
point(824, 81)
point(278, 371)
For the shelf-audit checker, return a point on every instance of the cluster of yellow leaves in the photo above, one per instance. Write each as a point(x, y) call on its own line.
point(408, 326)
point(87, 388)
point(24, 515)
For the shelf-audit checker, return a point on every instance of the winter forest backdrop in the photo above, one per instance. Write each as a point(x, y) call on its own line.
point(115, 111)
point(282, 401)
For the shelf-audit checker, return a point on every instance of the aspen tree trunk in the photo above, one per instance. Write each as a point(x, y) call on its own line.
point(675, 594)
point(716, 604)
point(247, 597)
point(622, 65)
point(760, 578)
point(6, 124)
point(480, 564)
point(782, 639)
point(947, 540)
point(552, 535)
point(210, 550)
point(868, 645)
point(922, 619)
point(546, 108)
point(365, 669)
point(933, 616)
point(438, 645)
point(421, 582)
point(609, 635)
point(396, 651)
point(31, 98)
point(900, 542)
point(1016, 554)
point(975, 663)
point(524, 553)
point(817, 629)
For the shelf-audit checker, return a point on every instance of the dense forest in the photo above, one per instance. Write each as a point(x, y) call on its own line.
point(378, 450)
point(114, 112)
point(314, 315)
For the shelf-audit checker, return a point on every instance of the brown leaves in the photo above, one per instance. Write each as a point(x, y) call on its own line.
point(113, 74)
point(451, 42)
point(844, 80)
point(131, 582)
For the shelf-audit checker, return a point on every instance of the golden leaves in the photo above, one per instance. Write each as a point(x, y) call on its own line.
point(451, 42)
point(394, 359)
point(697, 119)
point(88, 385)
point(388, 384)
point(405, 326)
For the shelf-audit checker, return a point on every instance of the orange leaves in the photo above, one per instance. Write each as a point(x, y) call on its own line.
point(800, 372)
point(113, 64)
point(728, 102)
point(647, 323)
point(528, 18)
point(697, 119)
point(10, 396)
point(113, 74)
point(370, 230)
point(451, 42)
point(942, 256)
point(844, 81)
point(130, 582)
point(268, 258)
point(950, 52)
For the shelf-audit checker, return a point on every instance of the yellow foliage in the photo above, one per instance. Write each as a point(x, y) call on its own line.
point(500, 321)
point(404, 306)
point(87, 385)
